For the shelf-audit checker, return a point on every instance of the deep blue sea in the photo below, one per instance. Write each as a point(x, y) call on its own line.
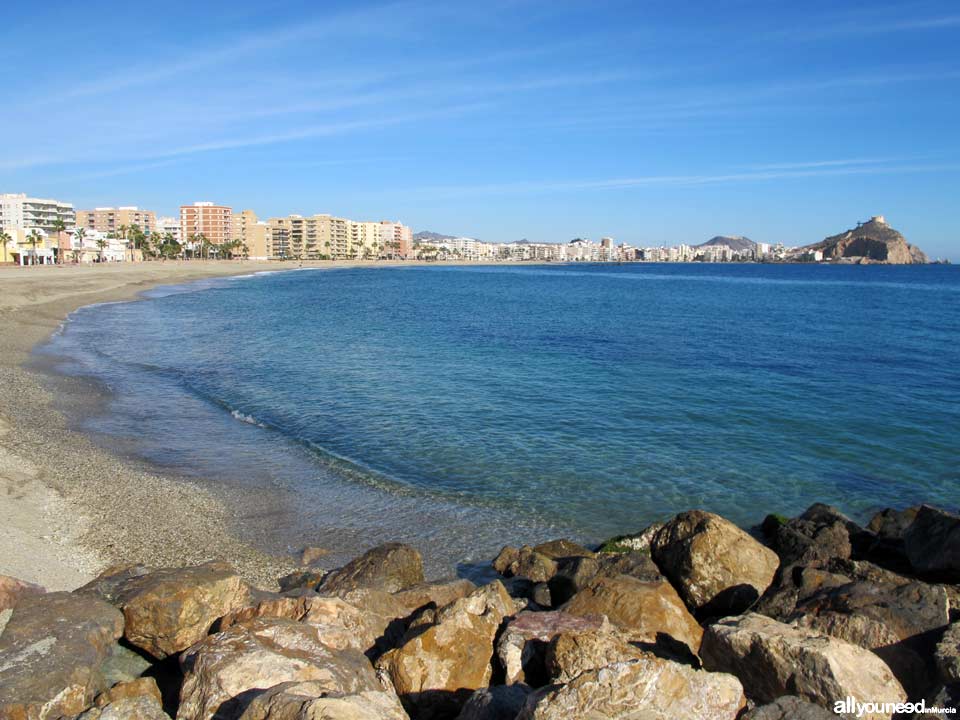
point(464, 407)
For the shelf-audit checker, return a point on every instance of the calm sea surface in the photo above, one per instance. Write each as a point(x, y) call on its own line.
point(461, 408)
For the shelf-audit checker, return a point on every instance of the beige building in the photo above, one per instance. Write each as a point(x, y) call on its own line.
point(365, 239)
point(214, 222)
point(397, 239)
point(111, 220)
point(255, 235)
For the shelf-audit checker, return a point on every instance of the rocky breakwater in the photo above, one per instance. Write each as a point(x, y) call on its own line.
point(691, 618)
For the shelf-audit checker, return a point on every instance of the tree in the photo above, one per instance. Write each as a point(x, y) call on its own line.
point(33, 238)
point(79, 235)
point(60, 226)
point(4, 239)
point(101, 244)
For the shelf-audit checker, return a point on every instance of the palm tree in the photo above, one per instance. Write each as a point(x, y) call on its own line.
point(59, 225)
point(33, 238)
point(79, 234)
point(4, 239)
point(101, 243)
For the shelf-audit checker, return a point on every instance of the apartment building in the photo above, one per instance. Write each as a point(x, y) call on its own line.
point(21, 216)
point(111, 220)
point(397, 239)
point(169, 226)
point(214, 222)
point(366, 240)
point(254, 234)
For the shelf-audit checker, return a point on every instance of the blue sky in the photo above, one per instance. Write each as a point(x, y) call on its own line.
point(652, 122)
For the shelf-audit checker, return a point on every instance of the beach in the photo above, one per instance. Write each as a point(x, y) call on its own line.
point(71, 508)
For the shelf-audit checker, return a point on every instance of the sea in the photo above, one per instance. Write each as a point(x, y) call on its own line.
point(464, 408)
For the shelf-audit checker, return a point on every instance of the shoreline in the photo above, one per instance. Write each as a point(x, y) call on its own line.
point(72, 507)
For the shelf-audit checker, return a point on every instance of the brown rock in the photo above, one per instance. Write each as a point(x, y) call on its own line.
point(890, 524)
point(51, 651)
point(169, 610)
point(310, 579)
point(312, 700)
point(523, 641)
point(650, 688)
point(717, 567)
point(310, 554)
point(223, 672)
point(557, 549)
point(505, 559)
point(436, 594)
point(12, 589)
point(262, 604)
point(644, 611)
point(571, 654)
point(364, 619)
point(896, 622)
point(390, 567)
point(773, 659)
point(140, 707)
point(144, 686)
point(440, 665)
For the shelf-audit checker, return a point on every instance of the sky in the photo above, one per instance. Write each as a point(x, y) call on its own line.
point(650, 122)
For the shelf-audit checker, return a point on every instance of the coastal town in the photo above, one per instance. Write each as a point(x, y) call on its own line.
point(44, 231)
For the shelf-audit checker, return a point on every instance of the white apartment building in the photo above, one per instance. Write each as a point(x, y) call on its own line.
point(22, 216)
point(168, 225)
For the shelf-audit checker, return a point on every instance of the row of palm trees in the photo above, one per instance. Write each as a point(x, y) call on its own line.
point(152, 246)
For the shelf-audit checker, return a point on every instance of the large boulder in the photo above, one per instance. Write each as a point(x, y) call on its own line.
point(365, 619)
point(645, 611)
point(891, 524)
point(525, 562)
point(522, 645)
point(51, 652)
point(225, 671)
point(442, 662)
point(947, 655)
point(390, 567)
point(773, 659)
point(897, 622)
point(263, 604)
point(12, 589)
point(650, 688)
point(559, 549)
point(633, 542)
point(933, 543)
point(166, 611)
point(789, 707)
point(312, 700)
point(570, 654)
point(436, 594)
point(717, 567)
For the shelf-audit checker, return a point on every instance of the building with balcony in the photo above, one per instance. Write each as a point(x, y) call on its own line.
point(254, 234)
point(33, 226)
point(214, 222)
point(112, 220)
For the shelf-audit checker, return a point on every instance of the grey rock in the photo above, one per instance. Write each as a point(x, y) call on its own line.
point(498, 702)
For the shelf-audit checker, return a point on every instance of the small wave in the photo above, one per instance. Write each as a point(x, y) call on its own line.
point(249, 419)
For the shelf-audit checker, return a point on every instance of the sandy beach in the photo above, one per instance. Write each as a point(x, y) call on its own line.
point(69, 507)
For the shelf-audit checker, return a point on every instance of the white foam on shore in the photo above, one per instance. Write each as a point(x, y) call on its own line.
point(249, 419)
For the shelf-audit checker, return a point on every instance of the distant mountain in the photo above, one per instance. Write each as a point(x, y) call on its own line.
point(734, 242)
point(427, 236)
point(871, 242)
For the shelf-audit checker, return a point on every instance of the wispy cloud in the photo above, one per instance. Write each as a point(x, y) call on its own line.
point(791, 171)
point(831, 28)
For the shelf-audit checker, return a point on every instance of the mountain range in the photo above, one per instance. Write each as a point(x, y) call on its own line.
point(737, 243)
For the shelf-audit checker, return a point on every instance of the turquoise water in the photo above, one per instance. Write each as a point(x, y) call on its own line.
point(463, 407)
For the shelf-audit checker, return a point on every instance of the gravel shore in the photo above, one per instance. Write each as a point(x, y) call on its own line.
point(71, 508)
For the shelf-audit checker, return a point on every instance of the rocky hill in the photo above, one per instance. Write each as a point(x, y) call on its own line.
point(734, 242)
point(871, 242)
